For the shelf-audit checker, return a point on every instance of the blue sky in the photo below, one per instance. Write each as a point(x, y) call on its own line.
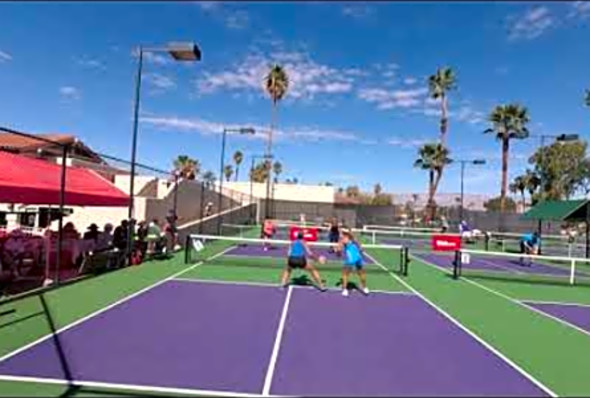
point(357, 108)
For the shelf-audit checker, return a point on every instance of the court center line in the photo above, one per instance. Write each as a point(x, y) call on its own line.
point(522, 303)
point(277, 345)
point(108, 307)
point(276, 285)
point(129, 387)
point(464, 328)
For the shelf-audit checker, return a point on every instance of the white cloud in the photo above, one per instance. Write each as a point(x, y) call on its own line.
point(208, 5)
point(531, 24)
point(386, 99)
point(70, 93)
point(467, 114)
point(232, 18)
point(89, 63)
point(206, 127)
point(237, 19)
point(579, 9)
point(4, 57)
point(410, 80)
point(307, 77)
point(154, 58)
point(357, 11)
point(160, 82)
point(407, 143)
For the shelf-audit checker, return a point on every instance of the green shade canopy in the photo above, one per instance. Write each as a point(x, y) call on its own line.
point(559, 210)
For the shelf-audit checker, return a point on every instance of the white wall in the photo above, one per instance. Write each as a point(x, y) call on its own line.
point(293, 192)
point(123, 183)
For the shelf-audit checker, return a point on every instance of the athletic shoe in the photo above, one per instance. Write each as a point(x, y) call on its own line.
point(345, 293)
point(366, 291)
point(323, 289)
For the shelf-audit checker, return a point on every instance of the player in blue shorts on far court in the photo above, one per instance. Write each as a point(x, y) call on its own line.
point(299, 252)
point(353, 261)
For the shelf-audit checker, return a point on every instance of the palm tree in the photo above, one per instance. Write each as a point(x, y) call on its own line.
point(508, 122)
point(432, 157)
point(276, 85)
point(259, 173)
point(439, 85)
point(238, 158)
point(518, 185)
point(277, 169)
point(209, 178)
point(532, 183)
point(228, 171)
point(186, 167)
point(377, 189)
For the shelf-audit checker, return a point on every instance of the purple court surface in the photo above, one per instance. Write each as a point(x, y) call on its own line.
point(255, 250)
point(220, 337)
point(494, 264)
point(578, 315)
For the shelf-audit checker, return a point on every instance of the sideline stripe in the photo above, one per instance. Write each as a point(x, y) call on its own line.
point(473, 335)
point(277, 345)
point(131, 387)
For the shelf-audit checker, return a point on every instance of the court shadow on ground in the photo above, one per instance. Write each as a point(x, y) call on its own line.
point(80, 391)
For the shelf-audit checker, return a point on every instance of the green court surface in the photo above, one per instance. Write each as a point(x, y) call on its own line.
point(556, 355)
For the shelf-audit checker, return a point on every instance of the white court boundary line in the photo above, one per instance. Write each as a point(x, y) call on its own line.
point(464, 328)
point(277, 344)
point(277, 286)
point(564, 303)
point(128, 387)
point(104, 309)
point(520, 302)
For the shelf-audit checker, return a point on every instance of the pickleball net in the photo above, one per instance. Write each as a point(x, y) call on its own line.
point(417, 241)
point(244, 253)
point(523, 267)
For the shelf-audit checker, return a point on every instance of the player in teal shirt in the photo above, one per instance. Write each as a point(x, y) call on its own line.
point(353, 261)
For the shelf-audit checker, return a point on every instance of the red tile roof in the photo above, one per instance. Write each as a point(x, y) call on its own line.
point(12, 141)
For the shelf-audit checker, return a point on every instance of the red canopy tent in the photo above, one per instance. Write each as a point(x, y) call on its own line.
point(31, 181)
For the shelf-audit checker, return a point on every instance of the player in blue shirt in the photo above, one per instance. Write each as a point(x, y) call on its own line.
point(298, 258)
point(353, 261)
point(529, 244)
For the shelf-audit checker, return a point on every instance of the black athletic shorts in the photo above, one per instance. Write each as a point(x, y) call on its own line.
point(297, 262)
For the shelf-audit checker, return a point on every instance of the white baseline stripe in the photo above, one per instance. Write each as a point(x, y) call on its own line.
point(277, 345)
point(131, 387)
point(108, 307)
point(472, 334)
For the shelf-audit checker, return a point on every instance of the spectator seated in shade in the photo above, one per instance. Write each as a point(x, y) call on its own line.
point(120, 235)
point(104, 240)
point(92, 233)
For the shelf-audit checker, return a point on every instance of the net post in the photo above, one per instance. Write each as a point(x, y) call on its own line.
point(373, 237)
point(406, 260)
point(573, 271)
point(186, 249)
point(457, 265)
point(487, 242)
